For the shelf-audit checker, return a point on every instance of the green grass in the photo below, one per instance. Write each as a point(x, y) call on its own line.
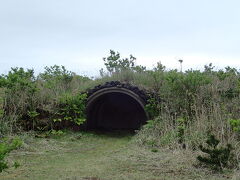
point(101, 156)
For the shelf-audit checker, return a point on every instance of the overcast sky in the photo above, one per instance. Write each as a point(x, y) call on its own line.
point(79, 33)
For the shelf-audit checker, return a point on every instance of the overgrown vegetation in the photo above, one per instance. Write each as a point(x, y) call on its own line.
point(34, 103)
point(218, 157)
point(193, 103)
point(6, 146)
point(72, 108)
point(184, 106)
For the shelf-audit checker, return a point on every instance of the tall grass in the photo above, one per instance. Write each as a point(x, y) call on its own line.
point(193, 105)
point(189, 104)
point(23, 94)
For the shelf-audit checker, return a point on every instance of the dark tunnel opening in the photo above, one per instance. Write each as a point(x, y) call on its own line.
point(115, 110)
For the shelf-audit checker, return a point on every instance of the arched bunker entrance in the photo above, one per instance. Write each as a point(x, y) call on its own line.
point(116, 106)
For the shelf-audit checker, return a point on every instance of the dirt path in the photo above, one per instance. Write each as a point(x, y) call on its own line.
point(99, 157)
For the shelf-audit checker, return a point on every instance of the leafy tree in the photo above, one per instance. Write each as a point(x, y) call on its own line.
point(209, 68)
point(115, 64)
point(18, 79)
point(56, 74)
point(139, 69)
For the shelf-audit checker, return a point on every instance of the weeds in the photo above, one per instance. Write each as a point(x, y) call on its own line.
point(6, 146)
point(72, 108)
point(27, 101)
point(185, 106)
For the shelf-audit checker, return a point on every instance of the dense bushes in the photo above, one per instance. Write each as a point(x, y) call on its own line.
point(193, 104)
point(201, 98)
point(19, 89)
point(184, 106)
point(28, 102)
point(72, 108)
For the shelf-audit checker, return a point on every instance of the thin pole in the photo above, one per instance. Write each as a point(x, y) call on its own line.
point(181, 61)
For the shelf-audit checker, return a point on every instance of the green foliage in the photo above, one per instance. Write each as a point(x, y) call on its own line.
point(6, 146)
point(54, 74)
point(183, 88)
point(1, 107)
point(209, 68)
point(16, 164)
point(115, 64)
point(150, 124)
point(26, 102)
point(204, 99)
point(32, 115)
point(235, 124)
point(154, 134)
point(1, 113)
point(157, 76)
point(57, 132)
point(154, 150)
point(218, 157)
point(229, 72)
point(17, 83)
point(139, 69)
point(56, 79)
point(20, 89)
point(152, 107)
point(18, 79)
point(72, 108)
point(181, 127)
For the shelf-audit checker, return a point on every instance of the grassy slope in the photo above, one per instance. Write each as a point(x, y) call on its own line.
point(100, 157)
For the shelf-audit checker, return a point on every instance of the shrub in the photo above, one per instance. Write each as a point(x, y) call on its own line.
point(19, 95)
point(115, 64)
point(152, 107)
point(56, 75)
point(157, 132)
point(2, 123)
point(6, 147)
point(235, 124)
point(32, 116)
point(20, 88)
point(27, 102)
point(72, 108)
point(218, 157)
point(181, 127)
